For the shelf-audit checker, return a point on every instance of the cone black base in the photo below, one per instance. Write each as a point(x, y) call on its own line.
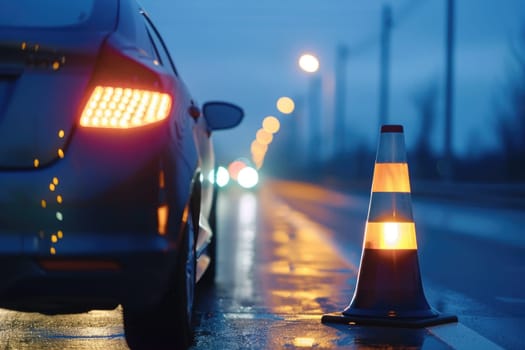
point(339, 317)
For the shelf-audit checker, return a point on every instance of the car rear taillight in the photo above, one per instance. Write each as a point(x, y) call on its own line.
point(128, 89)
point(123, 108)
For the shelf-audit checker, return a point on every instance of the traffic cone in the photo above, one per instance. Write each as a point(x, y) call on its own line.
point(389, 291)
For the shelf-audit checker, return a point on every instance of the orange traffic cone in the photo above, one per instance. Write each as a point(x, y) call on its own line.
point(389, 290)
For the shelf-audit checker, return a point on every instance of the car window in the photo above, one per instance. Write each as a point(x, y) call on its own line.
point(158, 44)
point(48, 13)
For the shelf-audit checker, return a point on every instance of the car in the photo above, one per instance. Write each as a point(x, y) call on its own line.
point(102, 148)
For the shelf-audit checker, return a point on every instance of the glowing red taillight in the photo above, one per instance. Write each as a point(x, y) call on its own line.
point(124, 108)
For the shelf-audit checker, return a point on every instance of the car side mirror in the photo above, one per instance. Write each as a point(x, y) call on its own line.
point(222, 115)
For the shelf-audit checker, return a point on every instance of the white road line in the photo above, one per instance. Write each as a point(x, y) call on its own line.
point(461, 337)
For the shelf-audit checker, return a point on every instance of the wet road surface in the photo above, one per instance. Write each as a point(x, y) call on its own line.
point(303, 260)
point(289, 253)
point(31, 331)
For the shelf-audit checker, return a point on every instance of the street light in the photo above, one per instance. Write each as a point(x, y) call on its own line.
point(271, 124)
point(310, 64)
point(285, 105)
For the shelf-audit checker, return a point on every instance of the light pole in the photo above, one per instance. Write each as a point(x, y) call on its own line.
point(386, 26)
point(340, 98)
point(449, 91)
point(310, 64)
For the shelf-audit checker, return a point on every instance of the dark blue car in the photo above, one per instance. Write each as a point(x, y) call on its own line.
point(102, 152)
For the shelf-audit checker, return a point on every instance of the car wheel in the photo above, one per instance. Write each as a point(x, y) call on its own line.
point(168, 324)
point(185, 283)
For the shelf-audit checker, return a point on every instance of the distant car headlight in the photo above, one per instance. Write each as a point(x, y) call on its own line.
point(248, 177)
point(223, 177)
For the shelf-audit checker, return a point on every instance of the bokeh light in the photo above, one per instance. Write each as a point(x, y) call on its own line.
point(235, 167)
point(263, 137)
point(258, 160)
point(223, 177)
point(271, 124)
point(248, 177)
point(258, 148)
point(285, 105)
point(309, 63)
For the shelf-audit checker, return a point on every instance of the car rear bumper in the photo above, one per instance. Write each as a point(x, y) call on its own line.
point(87, 272)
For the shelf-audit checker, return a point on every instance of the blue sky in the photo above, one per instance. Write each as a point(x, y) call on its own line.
point(246, 52)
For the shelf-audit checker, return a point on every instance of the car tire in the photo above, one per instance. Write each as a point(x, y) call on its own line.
point(168, 324)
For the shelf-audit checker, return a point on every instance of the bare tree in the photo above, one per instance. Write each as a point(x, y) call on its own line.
point(425, 103)
point(510, 124)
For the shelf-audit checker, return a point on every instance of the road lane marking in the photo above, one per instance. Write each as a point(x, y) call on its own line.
point(461, 337)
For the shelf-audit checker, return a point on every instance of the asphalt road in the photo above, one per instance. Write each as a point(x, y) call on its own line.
point(298, 249)
point(290, 252)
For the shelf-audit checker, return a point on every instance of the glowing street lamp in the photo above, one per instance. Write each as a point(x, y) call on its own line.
point(285, 105)
point(309, 63)
point(258, 148)
point(271, 124)
point(264, 137)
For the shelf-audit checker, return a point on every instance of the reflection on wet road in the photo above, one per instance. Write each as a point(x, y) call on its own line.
point(271, 295)
point(305, 257)
point(94, 330)
point(288, 253)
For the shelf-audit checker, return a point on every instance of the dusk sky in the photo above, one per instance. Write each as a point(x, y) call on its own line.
point(246, 52)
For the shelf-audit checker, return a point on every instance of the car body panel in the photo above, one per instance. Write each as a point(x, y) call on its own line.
point(82, 199)
point(41, 90)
